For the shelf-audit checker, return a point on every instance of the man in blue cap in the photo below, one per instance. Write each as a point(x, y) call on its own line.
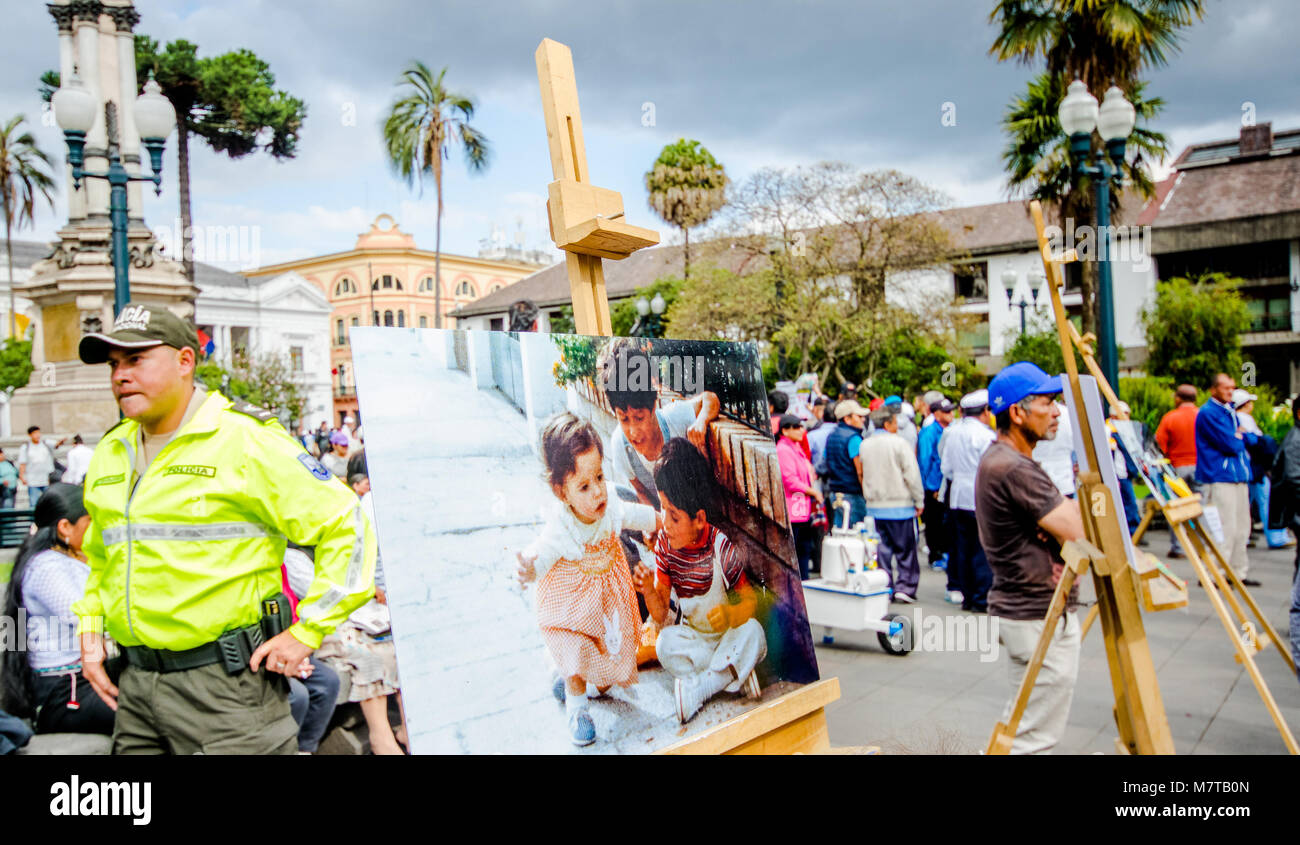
point(1023, 522)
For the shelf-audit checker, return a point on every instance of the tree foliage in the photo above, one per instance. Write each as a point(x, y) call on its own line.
point(229, 101)
point(15, 364)
point(1193, 329)
point(624, 315)
point(1102, 43)
point(24, 179)
point(830, 263)
point(423, 122)
point(267, 381)
point(686, 187)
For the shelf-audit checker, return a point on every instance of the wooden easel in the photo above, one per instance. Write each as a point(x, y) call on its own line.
point(1204, 554)
point(1139, 710)
point(587, 223)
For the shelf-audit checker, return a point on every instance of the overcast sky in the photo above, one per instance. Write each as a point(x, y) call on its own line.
point(759, 83)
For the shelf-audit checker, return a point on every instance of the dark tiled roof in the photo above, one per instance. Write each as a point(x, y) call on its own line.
point(1229, 191)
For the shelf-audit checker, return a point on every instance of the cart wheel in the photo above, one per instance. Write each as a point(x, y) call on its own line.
point(899, 638)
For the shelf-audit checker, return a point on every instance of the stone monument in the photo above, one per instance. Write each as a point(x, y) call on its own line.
point(72, 289)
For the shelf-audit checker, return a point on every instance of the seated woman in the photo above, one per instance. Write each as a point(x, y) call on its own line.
point(45, 682)
point(368, 658)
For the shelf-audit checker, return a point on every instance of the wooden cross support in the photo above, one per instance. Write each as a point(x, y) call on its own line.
point(586, 221)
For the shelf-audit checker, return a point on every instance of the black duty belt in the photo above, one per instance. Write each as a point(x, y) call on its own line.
point(232, 649)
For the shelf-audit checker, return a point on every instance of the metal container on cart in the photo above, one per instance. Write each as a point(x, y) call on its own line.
point(853, 593)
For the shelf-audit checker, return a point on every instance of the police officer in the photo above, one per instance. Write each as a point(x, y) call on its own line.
point(191, 500)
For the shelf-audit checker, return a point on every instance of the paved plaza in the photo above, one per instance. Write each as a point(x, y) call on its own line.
point(948, 703)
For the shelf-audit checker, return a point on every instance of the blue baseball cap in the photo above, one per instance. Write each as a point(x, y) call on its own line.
point(1017, 381)
point(893, 399)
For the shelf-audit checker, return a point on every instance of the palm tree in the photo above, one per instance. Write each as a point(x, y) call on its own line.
point(687, 186)
point(23, 177)
point(422, 123)
point(1103, 43)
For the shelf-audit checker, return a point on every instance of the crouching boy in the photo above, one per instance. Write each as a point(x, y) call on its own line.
point(712, 642)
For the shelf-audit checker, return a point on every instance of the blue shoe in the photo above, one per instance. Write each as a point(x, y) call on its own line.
point(581, 729)
point(557, 690)
point(940, 565)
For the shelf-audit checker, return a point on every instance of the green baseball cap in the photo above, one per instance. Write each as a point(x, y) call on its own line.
point(139, 327)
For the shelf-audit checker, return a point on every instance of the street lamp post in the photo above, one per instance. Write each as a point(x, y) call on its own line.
point(649, 323)
point(74, 110)
point(1114, 121)
point(1009, 279)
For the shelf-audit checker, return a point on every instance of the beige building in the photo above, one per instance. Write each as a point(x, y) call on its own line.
point(386, 280)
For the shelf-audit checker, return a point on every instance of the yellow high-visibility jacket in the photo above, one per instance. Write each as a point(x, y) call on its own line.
point(190, 549)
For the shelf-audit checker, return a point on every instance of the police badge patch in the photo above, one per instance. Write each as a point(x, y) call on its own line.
point(314, 467)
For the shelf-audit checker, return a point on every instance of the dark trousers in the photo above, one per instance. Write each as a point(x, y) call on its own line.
point(312, 703)
point(898, 548)
point(805, 540)
point(973, 574)
point(938, 531)
point(54, 693)
point(1131, 513)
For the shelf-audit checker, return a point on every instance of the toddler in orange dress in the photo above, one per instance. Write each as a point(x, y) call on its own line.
point(586, 606)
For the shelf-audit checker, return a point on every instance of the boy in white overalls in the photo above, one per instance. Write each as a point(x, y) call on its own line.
point(712, 645)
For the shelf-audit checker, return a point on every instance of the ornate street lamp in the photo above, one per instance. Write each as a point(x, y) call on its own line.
point(74, 110)
point(1009, 279)
point(649, 323)
point(1114, 121)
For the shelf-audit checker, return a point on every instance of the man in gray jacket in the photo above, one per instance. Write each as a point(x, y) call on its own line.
point(891, 485)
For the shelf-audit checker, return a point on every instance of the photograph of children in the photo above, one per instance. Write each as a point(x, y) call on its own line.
point(584, 539)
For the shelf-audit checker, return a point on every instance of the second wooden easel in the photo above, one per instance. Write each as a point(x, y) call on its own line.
point(1139, 711)
point(587, 223)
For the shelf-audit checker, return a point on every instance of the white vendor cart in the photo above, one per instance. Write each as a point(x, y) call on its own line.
point(853, 593)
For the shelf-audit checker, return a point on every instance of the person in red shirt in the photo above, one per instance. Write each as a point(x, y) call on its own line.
point(1176, 437)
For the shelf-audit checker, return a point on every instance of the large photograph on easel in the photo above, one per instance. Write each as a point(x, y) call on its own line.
point(585, 539)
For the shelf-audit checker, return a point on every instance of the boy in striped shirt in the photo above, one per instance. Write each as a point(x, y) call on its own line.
point(713, 643)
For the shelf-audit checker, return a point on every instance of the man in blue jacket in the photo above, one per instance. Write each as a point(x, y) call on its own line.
point(1223, 470)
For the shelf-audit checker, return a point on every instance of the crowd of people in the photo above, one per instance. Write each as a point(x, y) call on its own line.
point(991, 486)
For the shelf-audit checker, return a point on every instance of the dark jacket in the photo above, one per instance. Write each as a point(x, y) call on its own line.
point(842, 475)
point(1284, 495)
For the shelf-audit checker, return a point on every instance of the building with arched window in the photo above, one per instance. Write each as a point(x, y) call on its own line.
point(386, 280)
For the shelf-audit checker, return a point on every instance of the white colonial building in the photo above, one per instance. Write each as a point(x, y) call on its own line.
point(283, 315)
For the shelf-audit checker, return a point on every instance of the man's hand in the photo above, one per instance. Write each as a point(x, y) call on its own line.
point(284, 653)
point(719, 618)
point(92, 669)
point(919, 511)
point(381, 596)
point(305, 669)
point(525, 571)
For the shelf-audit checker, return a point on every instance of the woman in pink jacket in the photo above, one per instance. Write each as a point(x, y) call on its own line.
point(797, 478)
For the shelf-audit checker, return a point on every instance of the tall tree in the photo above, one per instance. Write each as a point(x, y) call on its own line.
point(24, 176)
point(422, 123)
point(1103, 43)
point(687, 186)
point(228, 101)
